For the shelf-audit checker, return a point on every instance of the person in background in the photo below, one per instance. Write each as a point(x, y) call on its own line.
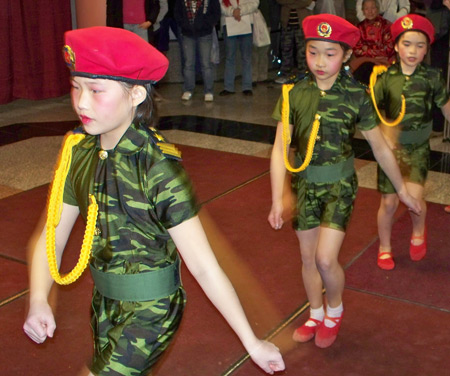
point(336, 7)
point(376, 46)
point(235, 15)
point(260, 55)
point(391, 10)
point(137, 16)
point(293, 12)
point(420, 85)
point(168, 23)
point(197, 20)
point(140, 212)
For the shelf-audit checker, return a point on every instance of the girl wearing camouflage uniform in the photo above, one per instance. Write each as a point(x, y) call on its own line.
point(330, 99)
point(421, 86)
point(128, 185)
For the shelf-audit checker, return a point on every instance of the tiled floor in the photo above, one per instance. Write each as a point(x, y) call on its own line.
point(30, 135)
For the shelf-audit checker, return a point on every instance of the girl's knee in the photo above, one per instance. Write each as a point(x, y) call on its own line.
point(389, 203)
point(326, 263)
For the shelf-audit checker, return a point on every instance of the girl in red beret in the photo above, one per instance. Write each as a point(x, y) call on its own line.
point(318, 118)
point(127, 183)
point(420, 85)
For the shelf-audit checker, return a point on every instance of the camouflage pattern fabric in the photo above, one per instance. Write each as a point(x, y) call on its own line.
point(423, 88)
point(342, 108)
point(141, 192)
point(414, 162)
point(323, 204)
point(130, 337)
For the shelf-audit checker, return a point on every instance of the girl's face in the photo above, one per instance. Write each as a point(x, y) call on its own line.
point(325, 60)
point(411, 47)
point(370, 10)
point(105, 108)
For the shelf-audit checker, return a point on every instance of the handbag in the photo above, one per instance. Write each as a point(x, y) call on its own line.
point(261, 36)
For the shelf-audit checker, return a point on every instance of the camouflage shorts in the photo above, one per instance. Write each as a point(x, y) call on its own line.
point(413, 162)
point(129, 337)
point(327, 204)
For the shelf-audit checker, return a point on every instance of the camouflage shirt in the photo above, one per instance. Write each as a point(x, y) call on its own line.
point(342, 108)
point(421, 89)
point(141, 193)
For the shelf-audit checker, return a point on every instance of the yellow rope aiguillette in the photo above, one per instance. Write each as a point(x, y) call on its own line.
point(54, 215)
point(377, 70)
point(286, 135)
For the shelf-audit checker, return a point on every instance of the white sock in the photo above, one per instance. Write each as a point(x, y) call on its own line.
point(333, 312)
point(317, 314)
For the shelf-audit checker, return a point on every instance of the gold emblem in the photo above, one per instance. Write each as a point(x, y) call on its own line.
point(103, 154)
point(407, 23)
point(69, 57)
point(324, 30)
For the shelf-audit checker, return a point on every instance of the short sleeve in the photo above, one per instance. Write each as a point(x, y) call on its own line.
point(440, 90)
point(171, 192)
point(276, 114)
point(366, 115)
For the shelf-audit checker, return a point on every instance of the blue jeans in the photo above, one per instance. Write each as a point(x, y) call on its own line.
point(190, 46)
point(245, 47)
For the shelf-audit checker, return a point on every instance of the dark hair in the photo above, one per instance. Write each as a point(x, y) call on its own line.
point(146, 112)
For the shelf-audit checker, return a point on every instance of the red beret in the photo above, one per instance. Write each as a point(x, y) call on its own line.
point(113, 53)
point(412, 22)
point(330, 28)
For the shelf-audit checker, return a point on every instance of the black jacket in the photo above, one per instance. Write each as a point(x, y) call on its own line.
point(114, 14)
point(205, 19)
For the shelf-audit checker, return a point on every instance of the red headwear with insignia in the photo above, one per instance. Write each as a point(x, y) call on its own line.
point(412, 22)
point(330, 28)
point(113, 53)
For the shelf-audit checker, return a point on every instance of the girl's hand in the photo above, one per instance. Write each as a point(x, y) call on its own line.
point(276, 216)
point(267, 356)
point(412, 203)
point(40, 322)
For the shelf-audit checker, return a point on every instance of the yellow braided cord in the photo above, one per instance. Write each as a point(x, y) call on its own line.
point(54, 215)
point(286, 136)
point(377, 70)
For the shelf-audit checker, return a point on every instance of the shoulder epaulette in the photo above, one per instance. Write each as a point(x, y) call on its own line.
point(167, 149)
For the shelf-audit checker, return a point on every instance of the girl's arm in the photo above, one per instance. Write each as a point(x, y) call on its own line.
point(385, 157)
point(446, 110)
point(277, 177)
point(196, 252)
point(40, 322)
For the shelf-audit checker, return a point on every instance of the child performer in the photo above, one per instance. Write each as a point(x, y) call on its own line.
point(145, 211)
point(334, 103)
point(421, 86)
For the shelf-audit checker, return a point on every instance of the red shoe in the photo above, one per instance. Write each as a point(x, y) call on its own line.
point(326, 336)
point(418, 252)
point(447, 209)
point(305, 332)
point(385, 261)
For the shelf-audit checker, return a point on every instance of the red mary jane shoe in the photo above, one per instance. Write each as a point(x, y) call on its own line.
point(385, 261)
point(418, 252)
point(305, 332)
point(326, 336)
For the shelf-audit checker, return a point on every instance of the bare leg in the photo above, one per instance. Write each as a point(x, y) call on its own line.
point(311, 278)
point(388, 206)
point(418, 221)
point(329, 245)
